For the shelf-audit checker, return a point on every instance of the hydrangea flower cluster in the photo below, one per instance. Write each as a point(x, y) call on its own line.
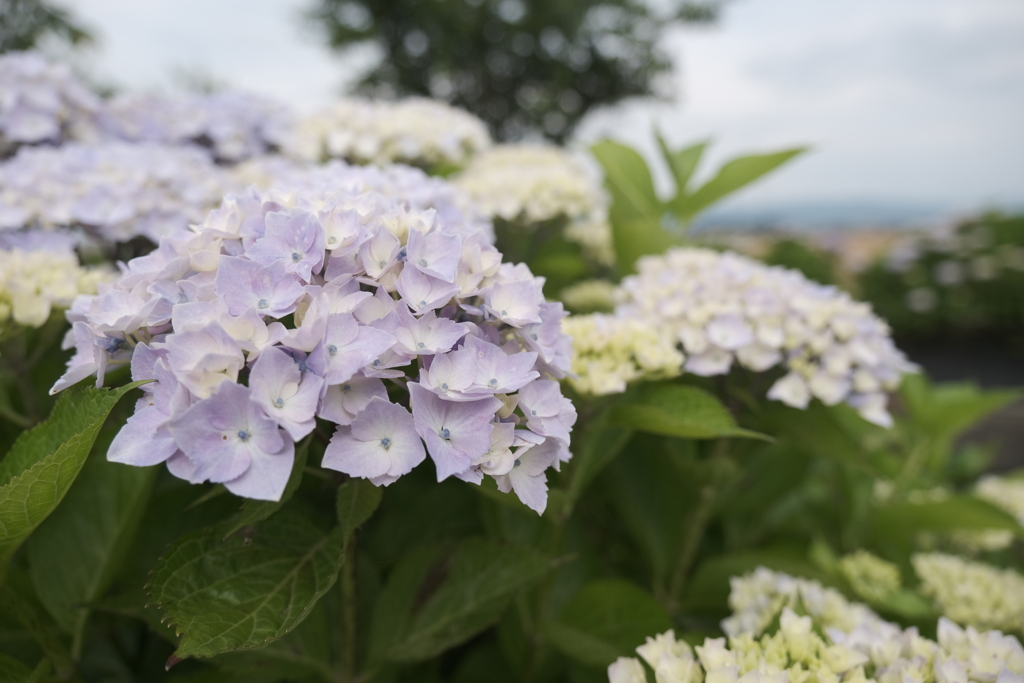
point(38, 273)
point(813, 648)
point(408, 185)
point(525, 185)
point(609, 352)
point(415, 131)
point(726, 308)
point(757, 599)
point(233, 126)
point(972, 593)
point(40, 101)
point(794, 654)
point(286, 306)
point(115, 190)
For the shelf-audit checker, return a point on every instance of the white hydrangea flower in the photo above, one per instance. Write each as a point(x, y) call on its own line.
point(529, 184)
point(41, 101)
point(416, 131)
point(726, 309)
point(972, 593)
point(113, 190)
point(610, 352)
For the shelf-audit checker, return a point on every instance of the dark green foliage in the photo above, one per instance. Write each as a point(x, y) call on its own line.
point(520, 65)
point(23, 23)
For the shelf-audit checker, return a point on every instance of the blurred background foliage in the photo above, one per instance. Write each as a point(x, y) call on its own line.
point(25, 23)
point(523, 66)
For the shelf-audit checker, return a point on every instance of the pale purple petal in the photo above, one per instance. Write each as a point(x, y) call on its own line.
point(286, 394)
point(435, 254)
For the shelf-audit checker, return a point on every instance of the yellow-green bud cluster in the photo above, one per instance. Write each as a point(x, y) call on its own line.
point(871, 577)
point(972, 593)
point(609, 352)
point(33, 283)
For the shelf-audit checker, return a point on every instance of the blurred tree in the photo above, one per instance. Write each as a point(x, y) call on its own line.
point(23, 23)
point(521, 65)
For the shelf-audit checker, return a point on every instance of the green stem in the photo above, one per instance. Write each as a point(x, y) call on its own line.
point(695, 528)
point(12, 415)
point(349, 614)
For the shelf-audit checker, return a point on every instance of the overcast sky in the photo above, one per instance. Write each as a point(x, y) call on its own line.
point(902, 100)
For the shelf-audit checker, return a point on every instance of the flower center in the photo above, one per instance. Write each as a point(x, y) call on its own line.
point(517, 463)
point(423, 303)
point(504, 313)
point(445, 434)
point(377, 363)
point(332, 239)
point(296, 257)
point(332, 349)
point(493, 382)
point(444, 386)
point(243, 435)
point(423, 263)
point(533, 336)
point(421, 345)
point(382, 264)
point(346, 388)
point(279, 402)
point(262, 303)
point(386, 442)
point(533, 412)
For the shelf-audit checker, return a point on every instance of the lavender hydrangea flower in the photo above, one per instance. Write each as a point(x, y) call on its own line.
point(114, 191)
point(456, 433)
point(380, 445)
point(230, 440)
point(253, 327)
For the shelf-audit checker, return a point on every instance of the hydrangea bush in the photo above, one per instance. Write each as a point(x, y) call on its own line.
point(296, 336)
point(372, 291)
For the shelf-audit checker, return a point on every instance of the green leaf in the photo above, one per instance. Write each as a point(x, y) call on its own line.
point(628, 180)
point(944, 411)
point(734, 175)
point(434, 600)
point(597, 447)
point(956, 513)
point(607, 619)
point(682, 163)
point(44, 461)
point(357, 500)
point(245, 591)
point(254, 511)
point(820, 432)
point(13, 671)
point(78, 549)
point(636, 238)
point(678, 410)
